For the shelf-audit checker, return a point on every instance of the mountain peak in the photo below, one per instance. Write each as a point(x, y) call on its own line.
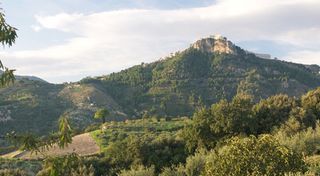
point(215, 44)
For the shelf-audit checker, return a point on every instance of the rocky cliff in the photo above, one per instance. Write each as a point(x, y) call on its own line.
point(215, 44)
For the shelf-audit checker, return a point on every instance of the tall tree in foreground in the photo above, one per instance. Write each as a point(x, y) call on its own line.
point(8, 36)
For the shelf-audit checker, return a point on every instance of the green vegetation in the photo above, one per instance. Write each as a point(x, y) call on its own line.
point(227, 138)
point(172, 87)
point(253, 156)
point(8, 35)
point(25, 168)
point(102, 114)
point(117, 131)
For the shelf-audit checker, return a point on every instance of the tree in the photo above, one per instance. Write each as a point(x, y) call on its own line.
point(198, 134)
point(8, 37)
point(223, 119)
point(273, 111)
point(69, 165)
point(311, 104)
point(64, 132)
point(101, 114)
point(232, 118)
point(253, 156)
point(148, 150)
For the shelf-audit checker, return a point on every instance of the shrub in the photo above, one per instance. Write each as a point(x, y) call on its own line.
point(253, 156)
point(13, 172)
point(305, 141)
point(138, 171)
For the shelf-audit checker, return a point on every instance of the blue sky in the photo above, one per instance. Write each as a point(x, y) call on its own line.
point(66, 40)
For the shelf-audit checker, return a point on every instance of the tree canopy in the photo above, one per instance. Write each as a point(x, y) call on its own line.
point(8, 37)
point(101, 113)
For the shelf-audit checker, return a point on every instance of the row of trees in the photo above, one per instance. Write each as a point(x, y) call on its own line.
point(241, 116)
point(238, 157)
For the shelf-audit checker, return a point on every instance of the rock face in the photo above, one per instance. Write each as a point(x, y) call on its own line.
point(215, 43)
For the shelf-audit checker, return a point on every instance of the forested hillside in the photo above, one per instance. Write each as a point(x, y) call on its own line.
point(210, 70)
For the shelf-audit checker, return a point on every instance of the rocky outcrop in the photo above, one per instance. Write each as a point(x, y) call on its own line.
point(215, 44)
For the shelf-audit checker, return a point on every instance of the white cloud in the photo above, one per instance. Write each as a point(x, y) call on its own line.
point(113, 40)
point(36, 28)
point(304, 56)
point(59, 21)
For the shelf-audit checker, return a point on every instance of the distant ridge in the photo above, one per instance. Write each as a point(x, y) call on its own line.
point(31, 78)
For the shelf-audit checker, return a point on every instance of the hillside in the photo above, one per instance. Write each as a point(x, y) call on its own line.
point(211, 69)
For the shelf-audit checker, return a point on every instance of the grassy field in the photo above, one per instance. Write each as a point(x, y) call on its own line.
point(114, 131)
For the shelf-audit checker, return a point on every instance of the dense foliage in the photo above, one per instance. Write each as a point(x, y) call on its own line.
point(253, 156)
point(275, 136)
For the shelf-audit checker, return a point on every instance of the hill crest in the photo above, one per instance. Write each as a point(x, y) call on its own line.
point(215, 44)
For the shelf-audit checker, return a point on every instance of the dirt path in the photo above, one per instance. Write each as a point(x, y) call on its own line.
point(82, 144)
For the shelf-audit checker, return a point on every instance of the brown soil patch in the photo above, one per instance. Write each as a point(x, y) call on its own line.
point(82, 144)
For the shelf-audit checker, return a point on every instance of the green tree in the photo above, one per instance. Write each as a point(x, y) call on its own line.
point(195, 164)
point(8, 37)
point(273, 111)
point(158, 151)
point(199, 134)
point(311, 104)
point(253, 156)
point(69, 165)
point(232, 118)
point(102, 114)
point(250, 85)
point(65, 132)
point(222, 120)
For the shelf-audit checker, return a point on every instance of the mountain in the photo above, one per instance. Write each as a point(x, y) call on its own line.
point(210, 69)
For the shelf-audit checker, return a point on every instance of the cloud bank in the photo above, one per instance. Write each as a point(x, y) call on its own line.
point(109, 41)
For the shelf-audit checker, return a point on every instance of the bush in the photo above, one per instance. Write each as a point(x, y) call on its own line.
point(69, 165)
point(13, 172)
point(161, 151)
point(195, 164)
point(305, 141)
point(253, 156)
point(138, 171)
point(173, 171)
